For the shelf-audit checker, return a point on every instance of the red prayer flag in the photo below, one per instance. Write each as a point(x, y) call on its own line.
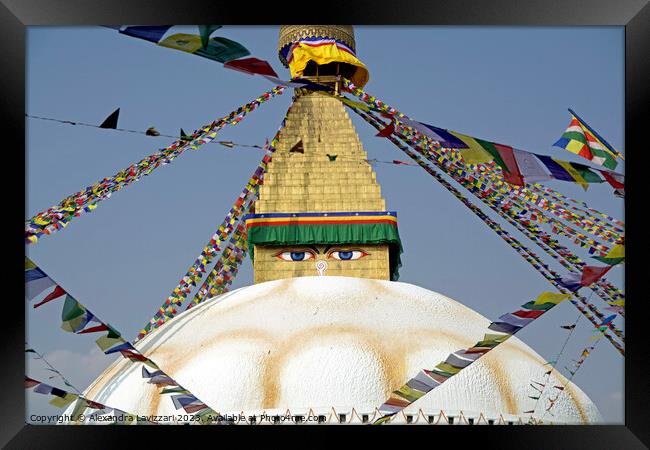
point(398, 162)
point(611, 179)
point(101, 327)
point(252, 66)
point(534, 314)
point(507, 155)
point(387, 131)
point(591, 274)
point(29, 383)
point(56, 293)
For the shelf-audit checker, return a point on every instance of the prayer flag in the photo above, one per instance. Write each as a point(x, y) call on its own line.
point(504, 327)
point(218, 49)
point(205, 31)
point(444, 137)
point(551, 297)
point(591, 274)
point(512, 175)
point(573, 172)
point(557, 171)
point(580, 139)
point(571, 281)
point(474, 153)
point(62, 399)
point(616, 180)
point(530, 167)
point(568, 327)
point(586, 173)
point(56, 293)
point(387, 130)
point(492, 149)
point(111, 121)
point(608, 320)
point(251, 66)
point(616, 255)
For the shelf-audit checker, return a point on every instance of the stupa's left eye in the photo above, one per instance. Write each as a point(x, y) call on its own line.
point(347, 255)
point(302, 255)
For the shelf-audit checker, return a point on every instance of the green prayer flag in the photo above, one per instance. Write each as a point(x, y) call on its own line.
point(112, 332)
point(205, 31)
point(586, 173)
point(222, 50)
point(71, 309)
point(174, 390)
point(542, 307)
point(491, 149)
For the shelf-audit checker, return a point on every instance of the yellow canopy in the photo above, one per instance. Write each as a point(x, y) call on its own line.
point(325, 54)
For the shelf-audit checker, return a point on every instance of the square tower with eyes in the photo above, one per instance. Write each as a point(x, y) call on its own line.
point(320, 209)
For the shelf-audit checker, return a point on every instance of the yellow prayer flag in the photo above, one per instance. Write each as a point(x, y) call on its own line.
point(550, 297)
point(181, 41)
point(105, 342)
point(574, 173)
point(62, 402)
point(475, 154)
point(618, 251)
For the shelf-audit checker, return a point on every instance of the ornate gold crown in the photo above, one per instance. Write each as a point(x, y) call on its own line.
point(293, 33)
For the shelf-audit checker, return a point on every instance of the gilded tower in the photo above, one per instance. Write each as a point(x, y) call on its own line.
point(320, 209)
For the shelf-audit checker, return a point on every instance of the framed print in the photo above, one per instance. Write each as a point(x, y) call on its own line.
point(419, 221)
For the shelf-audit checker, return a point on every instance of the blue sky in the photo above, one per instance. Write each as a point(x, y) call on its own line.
point(505, 84)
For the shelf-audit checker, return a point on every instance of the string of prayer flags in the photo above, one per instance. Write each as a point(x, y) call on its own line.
point(111, 121)
point(58, 217)
point(445, 160)
point(51, 368)
point(77, 318)
point(195, 273)
point(62, 398)
point(427, 380)
point(519, 246)
point(582, 140)
point(217, 49)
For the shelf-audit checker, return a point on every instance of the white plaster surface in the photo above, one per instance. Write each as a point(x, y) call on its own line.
point(332, 342)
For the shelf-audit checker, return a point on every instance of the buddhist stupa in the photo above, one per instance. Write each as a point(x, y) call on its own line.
point(326, 329)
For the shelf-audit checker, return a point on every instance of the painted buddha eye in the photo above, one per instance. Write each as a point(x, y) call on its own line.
point(301, 255)
point(347, 255)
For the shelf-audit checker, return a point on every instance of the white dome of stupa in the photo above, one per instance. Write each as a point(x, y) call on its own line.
point(335, 347)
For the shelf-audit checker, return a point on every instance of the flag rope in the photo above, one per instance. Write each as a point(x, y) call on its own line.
point(126, 130)
point(195, 273)
point(513, 242)
point(58, 217)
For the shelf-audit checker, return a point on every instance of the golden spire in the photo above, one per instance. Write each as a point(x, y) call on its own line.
point(320, 166)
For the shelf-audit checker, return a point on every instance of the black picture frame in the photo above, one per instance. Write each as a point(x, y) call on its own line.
point(16, 15)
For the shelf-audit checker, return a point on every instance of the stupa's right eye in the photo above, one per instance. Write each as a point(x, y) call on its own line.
point(301, 255)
